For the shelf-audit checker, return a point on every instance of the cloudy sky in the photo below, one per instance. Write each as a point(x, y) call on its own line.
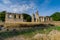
point(45, 7)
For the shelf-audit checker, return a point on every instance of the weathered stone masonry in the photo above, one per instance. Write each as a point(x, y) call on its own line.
point(37, 18)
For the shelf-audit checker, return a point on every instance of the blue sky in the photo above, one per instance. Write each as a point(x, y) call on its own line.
point(44, 7)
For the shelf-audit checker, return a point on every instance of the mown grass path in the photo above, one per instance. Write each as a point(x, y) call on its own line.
point(27, 32)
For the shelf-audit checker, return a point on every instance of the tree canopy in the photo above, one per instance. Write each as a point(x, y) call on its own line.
point(56, 16)
point(2, 16)
point(27, 17)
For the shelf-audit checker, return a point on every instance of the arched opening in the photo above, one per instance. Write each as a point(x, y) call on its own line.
point(19, 16)
point(14, 16)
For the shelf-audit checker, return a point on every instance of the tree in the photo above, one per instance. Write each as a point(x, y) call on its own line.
point(26, 17)
point(56, 16)
point(2, 15)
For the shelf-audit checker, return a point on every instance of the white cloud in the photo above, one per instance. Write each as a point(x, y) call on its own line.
point(16, 8)
point(6, 1)
point(22, 8)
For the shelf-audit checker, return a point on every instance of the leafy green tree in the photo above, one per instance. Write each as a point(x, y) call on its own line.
point(2, 15)
point(27, 17)
point(56, 16)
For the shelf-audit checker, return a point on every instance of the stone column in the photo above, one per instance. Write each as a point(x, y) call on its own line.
point(33, 16)
point(51, 19)
point(12, 16)
point(6, 16)
point(46, 19)
point(43, 19)
point(40, 19)
point(17, 16)
point(21, 17)
point(37, 17)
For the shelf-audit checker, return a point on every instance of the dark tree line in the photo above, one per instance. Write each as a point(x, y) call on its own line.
point(27, 17)
point(2, 16)
point(56, 16)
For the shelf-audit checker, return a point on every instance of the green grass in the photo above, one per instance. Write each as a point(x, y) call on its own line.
point(53, 28)
point(29, 32)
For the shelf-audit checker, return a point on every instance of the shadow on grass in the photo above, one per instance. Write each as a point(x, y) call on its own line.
point(30, 32)
point(7, 34)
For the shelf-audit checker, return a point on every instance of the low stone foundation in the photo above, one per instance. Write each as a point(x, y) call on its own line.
point(29, 24)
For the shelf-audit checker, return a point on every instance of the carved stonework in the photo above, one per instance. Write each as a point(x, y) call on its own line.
point(37, 16)
point(33, 16)
point(13, 18)
point(21, 17)
point(40, 18)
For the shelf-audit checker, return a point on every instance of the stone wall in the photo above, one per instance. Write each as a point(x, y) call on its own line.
point(56, 23)
point(12, 18)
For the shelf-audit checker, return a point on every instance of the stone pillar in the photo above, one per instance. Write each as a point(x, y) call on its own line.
point(43, 19)
point(40, 19)
point(21, 17)
point(17, 16)
point(36, 20)
point(46, 19)
point(6, 16)
point(12, 16)
point(51, 19)
point(33, 16)
point(37, 17)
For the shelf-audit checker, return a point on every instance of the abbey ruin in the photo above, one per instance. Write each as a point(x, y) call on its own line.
point(37, 18)
point(16, 20)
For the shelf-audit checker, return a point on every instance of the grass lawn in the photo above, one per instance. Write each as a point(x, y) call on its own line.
point(29, 32)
